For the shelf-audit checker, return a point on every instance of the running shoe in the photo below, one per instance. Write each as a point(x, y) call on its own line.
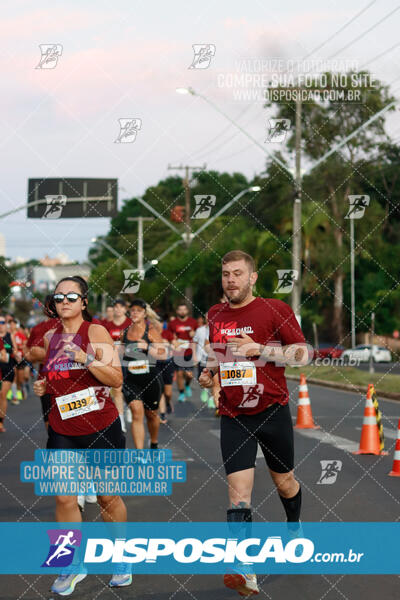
point(128, 415)
point(122, 576)
point(120, 580)
point(66, 582)
point(244, 583)
point(188, 391)
point(14, 401)
point(204, 396)
point(91, 499)
point(163, 420)
point(123, 425)
point(181, 397)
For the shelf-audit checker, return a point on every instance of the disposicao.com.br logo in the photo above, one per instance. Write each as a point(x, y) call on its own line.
point(211, 551)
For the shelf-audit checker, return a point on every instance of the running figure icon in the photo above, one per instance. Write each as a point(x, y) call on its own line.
point(62, 546)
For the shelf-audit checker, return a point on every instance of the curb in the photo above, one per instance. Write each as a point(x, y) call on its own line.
point(346, 387)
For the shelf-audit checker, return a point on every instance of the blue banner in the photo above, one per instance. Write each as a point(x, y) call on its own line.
point(200, 548)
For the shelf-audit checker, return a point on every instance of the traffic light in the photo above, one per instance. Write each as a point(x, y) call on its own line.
point(178, 214)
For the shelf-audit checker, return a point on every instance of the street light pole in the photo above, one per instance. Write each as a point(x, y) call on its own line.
point(140, 238)
point(352, 283)
point(296, 247)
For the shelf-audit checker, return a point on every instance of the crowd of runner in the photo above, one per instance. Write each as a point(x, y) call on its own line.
point(97, 375)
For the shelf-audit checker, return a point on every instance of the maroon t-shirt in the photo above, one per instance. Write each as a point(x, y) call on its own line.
point(265, 321)
point(181, 330)
point(64, 376)
point(115, 330)
point(36, 337)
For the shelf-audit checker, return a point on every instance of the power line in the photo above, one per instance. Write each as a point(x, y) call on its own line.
point(225, 129)
point(380, 55)
point(341, 29)
point(363, 34)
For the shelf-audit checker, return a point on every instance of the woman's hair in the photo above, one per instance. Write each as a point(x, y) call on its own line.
point(151, 314)
point(84, 289)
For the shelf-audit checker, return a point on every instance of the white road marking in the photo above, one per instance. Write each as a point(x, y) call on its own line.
point(328, 438)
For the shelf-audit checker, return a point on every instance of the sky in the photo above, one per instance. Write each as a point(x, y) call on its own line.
point(125, 59)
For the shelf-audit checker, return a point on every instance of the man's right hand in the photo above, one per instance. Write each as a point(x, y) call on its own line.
point(206, 378)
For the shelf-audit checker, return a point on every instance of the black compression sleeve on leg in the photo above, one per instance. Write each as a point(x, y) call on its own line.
point(292, 506)
point(239, 521)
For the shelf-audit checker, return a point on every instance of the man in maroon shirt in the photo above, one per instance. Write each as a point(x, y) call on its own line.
point(251, 340)
point(183, 328)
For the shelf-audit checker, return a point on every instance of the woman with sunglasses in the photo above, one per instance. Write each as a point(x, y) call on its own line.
point(142, 346)
point(80, 357)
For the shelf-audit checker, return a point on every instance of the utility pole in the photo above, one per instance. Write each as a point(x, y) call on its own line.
point(352, 285)
point(296, 253)
point(140, 238)
point(371, 358)
point(188, 236)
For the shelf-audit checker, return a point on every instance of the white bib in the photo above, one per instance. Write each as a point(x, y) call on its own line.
point(238, 373)
point(77, 403)
point(139, 367)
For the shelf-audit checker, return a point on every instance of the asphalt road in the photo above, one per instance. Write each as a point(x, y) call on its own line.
point(363, 492)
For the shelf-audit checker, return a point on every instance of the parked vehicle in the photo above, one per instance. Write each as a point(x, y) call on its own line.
point(362, 353)
point(327, 350)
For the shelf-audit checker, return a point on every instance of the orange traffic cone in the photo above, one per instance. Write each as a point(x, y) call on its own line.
point(304, 414)
point(370, 442)
point(395, 472)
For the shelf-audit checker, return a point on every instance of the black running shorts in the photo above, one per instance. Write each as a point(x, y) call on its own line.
point(272, 429)
point(46, 406)
point(147, 388)
point(108, 438)
point(166, 369)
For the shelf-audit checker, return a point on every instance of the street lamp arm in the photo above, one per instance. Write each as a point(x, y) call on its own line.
point(157, 214)
point(263, 148)
point(222, 210)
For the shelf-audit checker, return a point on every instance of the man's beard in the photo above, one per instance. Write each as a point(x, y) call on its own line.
point(239, 299)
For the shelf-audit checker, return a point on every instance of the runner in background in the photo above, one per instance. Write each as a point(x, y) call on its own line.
point(201, 340)
point(8, 366)
point(167, 369)
point(183, 328)
point(35, 350)
point(21, 365)
point(141, 347)
point(120, 322)
point(109, 316)
point(3, 397)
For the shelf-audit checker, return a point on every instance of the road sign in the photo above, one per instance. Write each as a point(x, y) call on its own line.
point(72, 198)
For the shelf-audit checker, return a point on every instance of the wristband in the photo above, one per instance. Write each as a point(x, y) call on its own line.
point(89, 359)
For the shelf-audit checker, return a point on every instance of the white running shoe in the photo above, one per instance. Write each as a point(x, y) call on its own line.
point(244, 583)
point(91, 499)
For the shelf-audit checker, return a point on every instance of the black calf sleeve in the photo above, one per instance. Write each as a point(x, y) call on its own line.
point(239, 522)
point(292, 506)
